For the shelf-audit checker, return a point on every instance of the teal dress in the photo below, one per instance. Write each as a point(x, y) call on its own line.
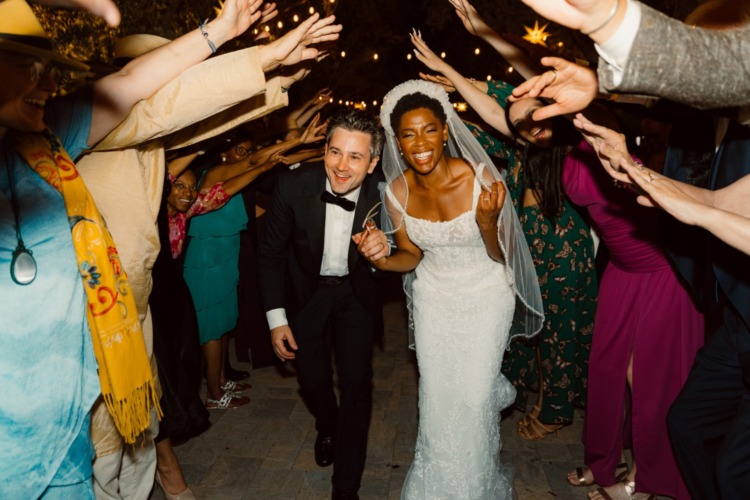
point(211, 267)
point(563, 254)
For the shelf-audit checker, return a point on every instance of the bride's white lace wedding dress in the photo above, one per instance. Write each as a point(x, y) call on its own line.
point(463, 307)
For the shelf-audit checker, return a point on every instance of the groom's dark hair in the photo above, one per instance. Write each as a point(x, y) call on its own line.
point(356, 120)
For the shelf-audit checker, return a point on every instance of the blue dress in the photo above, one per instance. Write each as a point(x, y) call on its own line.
point(47, 364)
point(211, 267)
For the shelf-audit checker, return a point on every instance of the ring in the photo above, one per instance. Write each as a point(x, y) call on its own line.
point(554, 76)
point(651, 177)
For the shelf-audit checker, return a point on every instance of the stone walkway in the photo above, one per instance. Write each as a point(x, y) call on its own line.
point(264, 450)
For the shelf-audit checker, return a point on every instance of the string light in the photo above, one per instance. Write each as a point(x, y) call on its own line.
point(375, 56)
point(442, 55)
point(510, 69)
point(476, 51)
point(489, 77)
point(280, 25)
point(312, 10)
point(343, 53)
point(295, 18)
point(374, 103)
point(267, 28)
point(408, 57)
point(461, 107)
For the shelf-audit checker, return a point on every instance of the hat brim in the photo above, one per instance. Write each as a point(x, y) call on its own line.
point(62, 61)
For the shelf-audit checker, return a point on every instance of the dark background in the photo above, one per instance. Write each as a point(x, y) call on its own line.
point(370, 26)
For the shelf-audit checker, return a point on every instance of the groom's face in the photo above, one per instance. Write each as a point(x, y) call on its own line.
point(348, 160)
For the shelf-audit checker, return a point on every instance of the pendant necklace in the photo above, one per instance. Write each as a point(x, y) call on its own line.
point(23, 265)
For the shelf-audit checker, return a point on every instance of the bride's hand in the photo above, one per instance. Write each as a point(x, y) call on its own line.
point(489, 205)
point(372, 244)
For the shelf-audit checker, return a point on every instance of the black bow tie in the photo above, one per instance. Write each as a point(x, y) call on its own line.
point(347, 205)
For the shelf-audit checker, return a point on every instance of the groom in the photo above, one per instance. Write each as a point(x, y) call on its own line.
point(317, 289)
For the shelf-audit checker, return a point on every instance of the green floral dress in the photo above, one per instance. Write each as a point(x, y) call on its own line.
point(563, 254)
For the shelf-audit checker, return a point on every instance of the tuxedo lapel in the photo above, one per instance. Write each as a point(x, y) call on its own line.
point(316, 217)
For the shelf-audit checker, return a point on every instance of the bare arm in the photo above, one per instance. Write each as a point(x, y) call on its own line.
point(490, 111)
point(106, 9)
point(177, 166)
point(475, 25)
point(116, 94)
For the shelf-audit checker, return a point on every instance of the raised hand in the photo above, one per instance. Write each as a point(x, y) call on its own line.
point(106, 9)
point(583, 15)
point(294, 46)
point(610, 147)
point(473, 23)
point(571, 86)
point(425, 55)
point(268, 12)
point(237, 16)
point(440, 80)
point(314, 132)
point(489, 205)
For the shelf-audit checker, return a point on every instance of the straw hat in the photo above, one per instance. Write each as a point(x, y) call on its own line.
point(130, 47)
point(21, 32)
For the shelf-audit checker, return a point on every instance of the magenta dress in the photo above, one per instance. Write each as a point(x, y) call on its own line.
point(642, 308)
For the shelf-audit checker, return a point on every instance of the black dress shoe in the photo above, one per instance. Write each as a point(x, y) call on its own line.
point(339, 494)
point(324, 450)
point(235, 375)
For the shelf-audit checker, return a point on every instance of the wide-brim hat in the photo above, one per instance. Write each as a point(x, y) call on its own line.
point(21, 32)
point(132, 46)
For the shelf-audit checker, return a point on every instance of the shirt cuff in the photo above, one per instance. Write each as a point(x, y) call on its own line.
point(616, 50)
point(276, 318)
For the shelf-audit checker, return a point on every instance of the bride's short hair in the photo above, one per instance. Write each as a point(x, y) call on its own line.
point(410, 102)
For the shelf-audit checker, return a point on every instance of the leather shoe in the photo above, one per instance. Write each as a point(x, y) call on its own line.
point(235, 375)
point(324, 450)
point(339, 494)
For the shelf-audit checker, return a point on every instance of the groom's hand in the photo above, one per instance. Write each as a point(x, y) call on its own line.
point(278, 336)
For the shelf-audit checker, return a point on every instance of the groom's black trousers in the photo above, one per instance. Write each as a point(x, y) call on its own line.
point(334, 316)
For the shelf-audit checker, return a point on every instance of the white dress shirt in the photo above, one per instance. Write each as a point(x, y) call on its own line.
point(335, 262)
point(616, 50)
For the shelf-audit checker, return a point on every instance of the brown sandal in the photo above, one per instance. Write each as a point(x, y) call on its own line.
point(535, 430)
point(534, 413)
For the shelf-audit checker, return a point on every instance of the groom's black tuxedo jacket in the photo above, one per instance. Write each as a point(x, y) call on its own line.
point(290, 251)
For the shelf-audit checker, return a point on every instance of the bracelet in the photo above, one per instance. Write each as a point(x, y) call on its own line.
point(202, 28)
point(612, 14)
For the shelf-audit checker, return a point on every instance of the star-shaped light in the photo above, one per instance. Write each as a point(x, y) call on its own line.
point(536, 34)
point(221, 6)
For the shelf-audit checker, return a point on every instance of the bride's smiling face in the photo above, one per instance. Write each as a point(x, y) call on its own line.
point(420, 136)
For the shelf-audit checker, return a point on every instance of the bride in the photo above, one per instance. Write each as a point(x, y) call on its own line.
point(470, 287)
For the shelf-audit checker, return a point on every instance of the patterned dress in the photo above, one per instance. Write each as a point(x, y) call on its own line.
point(563, 254)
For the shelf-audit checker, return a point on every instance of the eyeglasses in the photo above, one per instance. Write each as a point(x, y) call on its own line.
point(241, 151)
point(37, 69)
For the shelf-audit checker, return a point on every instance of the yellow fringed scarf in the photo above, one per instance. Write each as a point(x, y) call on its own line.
point(124, 370)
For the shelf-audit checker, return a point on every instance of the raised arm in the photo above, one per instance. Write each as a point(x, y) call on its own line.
point(725, 212)
point(106, 9)
point(116, 94)
point(475, 25)
point(490, 111)
point(572, 88)
point(597, 18)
